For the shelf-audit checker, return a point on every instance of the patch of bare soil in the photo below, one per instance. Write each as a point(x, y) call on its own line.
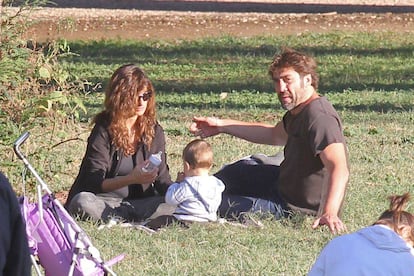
point(96, 24)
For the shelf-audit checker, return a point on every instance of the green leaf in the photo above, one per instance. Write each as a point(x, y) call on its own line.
point(58, 97)
point(44, 72)
point(79, 103)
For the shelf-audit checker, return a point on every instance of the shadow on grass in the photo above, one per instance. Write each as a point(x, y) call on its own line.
point(230, 53)
point(377, 107)
point(109, 52)
point(268, 109)
point(374, 107)
point(232, 6)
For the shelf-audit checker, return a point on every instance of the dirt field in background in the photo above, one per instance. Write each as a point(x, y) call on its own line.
point(163, 19)
point(96, 24)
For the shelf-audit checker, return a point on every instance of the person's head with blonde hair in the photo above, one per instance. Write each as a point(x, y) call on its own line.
point(401, 221)
point(197, 156)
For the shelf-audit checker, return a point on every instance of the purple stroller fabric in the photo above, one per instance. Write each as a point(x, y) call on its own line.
point(60, 245)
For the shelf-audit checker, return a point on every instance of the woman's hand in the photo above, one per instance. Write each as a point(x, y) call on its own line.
point(143, 177)
point(205, 126)
point(136, 176)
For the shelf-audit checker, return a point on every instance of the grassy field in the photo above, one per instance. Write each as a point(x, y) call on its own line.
point(368, 78)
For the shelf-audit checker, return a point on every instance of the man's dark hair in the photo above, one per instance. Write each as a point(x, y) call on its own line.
point(300, 62)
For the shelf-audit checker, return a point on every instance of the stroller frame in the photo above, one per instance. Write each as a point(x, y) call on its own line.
point(55, 239)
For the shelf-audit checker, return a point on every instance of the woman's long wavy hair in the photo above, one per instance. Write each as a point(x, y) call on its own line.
point(395, 217)
point(121, 98)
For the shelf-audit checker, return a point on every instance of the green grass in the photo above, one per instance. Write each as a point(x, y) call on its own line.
point(368, 78)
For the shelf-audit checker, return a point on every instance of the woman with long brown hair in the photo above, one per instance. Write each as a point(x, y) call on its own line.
point(384, 248)
point(111, 182)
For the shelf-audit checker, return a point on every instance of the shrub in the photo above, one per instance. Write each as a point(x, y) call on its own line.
point(32, 81)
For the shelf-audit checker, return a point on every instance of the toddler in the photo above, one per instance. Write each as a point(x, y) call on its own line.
point(196, 194)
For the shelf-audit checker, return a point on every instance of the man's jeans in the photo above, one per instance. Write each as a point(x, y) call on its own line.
point(232, 206)
point(251, 186)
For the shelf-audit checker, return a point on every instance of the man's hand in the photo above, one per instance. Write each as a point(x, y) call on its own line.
point(334, 223)
point(204, 126)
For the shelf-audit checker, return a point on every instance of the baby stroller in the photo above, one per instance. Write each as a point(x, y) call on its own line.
point(55, 240)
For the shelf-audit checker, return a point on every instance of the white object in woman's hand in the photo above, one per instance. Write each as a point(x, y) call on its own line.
point(144, 177)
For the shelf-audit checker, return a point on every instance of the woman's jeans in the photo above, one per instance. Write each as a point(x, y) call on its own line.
point(106, 206)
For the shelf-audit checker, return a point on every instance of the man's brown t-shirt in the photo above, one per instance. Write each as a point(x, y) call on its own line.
point(303, 179)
